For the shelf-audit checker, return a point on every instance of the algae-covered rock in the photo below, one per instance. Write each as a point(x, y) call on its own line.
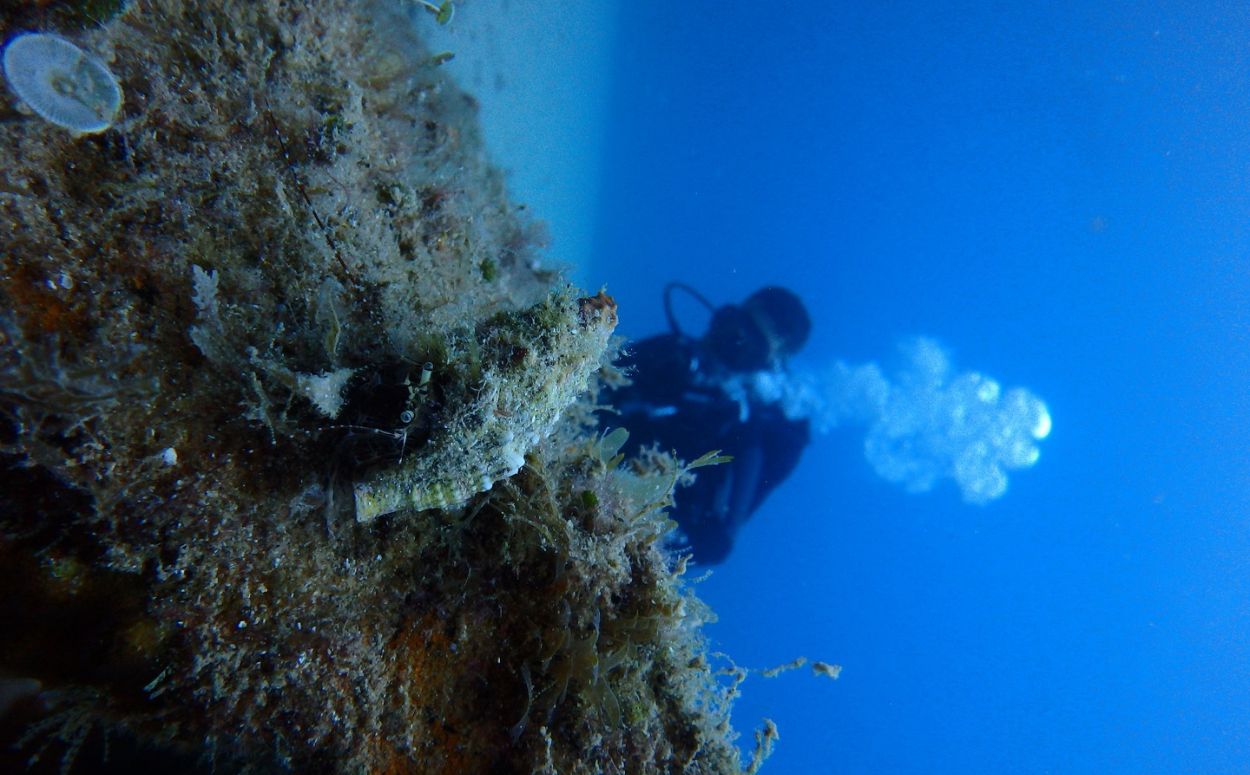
point(296, 470)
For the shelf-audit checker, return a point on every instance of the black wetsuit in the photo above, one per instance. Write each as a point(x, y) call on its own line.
point(674, 402)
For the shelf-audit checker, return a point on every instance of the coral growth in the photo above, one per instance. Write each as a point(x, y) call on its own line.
point(284, 286)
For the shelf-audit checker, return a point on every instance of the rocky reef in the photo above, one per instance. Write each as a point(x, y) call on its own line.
point(299, 463)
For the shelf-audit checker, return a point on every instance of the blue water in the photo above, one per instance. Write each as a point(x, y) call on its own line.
point(1061, 196)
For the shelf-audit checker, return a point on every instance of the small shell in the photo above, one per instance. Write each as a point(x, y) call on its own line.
point(518, 406)
point(62, 83)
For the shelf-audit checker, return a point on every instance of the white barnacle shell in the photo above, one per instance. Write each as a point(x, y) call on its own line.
point(61, 82)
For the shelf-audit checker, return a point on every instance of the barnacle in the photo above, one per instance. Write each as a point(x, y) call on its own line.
point(62, 83)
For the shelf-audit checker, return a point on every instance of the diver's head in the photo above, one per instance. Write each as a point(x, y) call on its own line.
point(762, 332)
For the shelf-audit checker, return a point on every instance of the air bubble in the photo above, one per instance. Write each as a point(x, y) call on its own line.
point(924, 423)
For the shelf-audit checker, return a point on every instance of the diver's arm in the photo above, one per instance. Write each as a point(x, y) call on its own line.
point(660, 368)
point(783, 441)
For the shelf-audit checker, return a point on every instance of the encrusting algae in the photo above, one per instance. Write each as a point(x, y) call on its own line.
point(299, 464)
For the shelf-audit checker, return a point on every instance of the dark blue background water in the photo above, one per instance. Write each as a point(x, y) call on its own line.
point(1062, 196)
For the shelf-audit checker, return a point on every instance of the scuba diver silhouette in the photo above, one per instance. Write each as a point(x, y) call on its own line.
point(688, 395)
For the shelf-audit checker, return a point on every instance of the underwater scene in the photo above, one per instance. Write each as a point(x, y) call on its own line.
point(514, 386)
point(1043, 197)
